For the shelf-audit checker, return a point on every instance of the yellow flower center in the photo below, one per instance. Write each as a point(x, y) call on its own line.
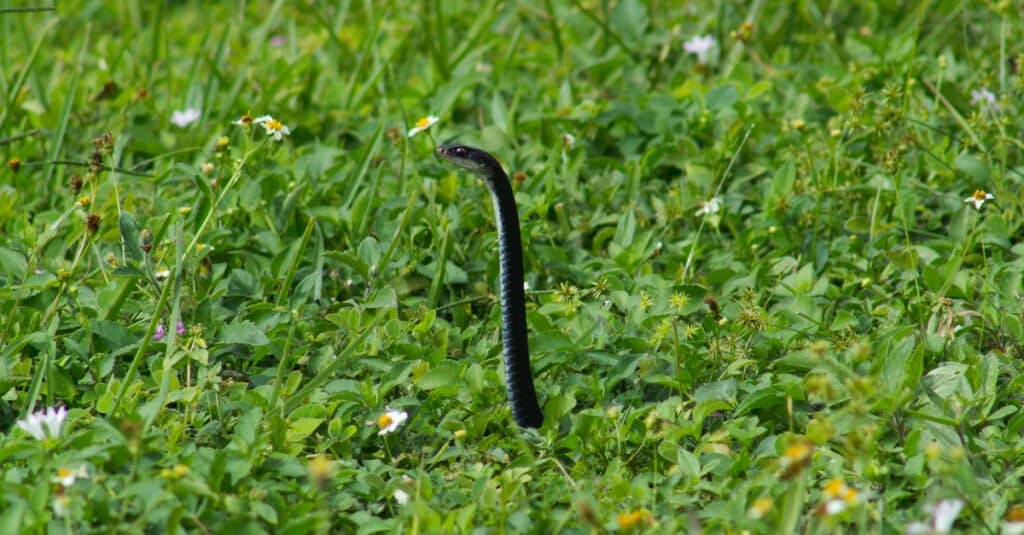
point(64, 473)
point(385, 420)
point(836, 487)
point(797, 451)
point(423, 123)
point(980, 195)
point(850, 495)
point(274, 125)
point(630, 520)
point(762, 505)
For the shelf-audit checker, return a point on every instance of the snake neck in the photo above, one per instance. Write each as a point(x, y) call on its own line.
point(515, 341)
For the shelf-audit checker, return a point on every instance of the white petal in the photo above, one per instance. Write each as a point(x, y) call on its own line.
point(944, 514)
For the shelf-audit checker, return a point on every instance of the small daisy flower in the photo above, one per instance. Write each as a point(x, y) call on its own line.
point(162, 274)
point(709, 207)
point(760, 507)
point(978, 198)
point(160, 332)
point(701, 46)
point(44, 423)
point(568, 140)
point(391, 420)
point(67, 476)
point(423, 124)
point(796, 457)
point(984, 97)
point(274, 128)
point(1014, 521)
point(60, 505)
point(838, 496)
point(206, 167)
point(183, 118)
point(401, 497)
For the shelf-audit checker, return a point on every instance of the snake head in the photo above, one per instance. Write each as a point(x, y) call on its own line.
point(469, 158)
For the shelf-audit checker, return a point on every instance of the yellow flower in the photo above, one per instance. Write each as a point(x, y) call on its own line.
point(633, 519)
point(85, 200)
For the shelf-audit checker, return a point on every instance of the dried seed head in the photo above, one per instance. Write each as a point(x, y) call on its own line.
point(76, 184)
point(146, 240)
point(93, 223)
point(712, 305)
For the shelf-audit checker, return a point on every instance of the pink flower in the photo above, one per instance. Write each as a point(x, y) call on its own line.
point(180, 328)
point(160, 332)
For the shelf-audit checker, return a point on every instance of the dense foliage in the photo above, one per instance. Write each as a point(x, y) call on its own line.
point(772, 250)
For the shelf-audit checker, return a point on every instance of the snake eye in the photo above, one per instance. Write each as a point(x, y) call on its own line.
point(460, 152)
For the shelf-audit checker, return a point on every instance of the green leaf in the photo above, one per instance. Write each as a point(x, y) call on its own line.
point(300, 428)
point(130, 233)
point(12, 262)
point(439, 377)
point(242, 332)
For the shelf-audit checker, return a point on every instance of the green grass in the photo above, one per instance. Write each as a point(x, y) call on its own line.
point(844, 323)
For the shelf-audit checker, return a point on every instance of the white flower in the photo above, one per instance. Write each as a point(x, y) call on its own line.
point(917, 528)
point(391, 420)
point(568, 140)
point(944, 514)
point(834, 507)
point(1013, 527)
point(206, 167)
point(52, 419)
point(701, 46)
point(710, 207)
point(274, 128)
point(66, 476)
point(423, 124)
point(984, 97)
point(163, 274)
point(401, 497)
point(181, 119)
point(978, 198)
point(60, 505)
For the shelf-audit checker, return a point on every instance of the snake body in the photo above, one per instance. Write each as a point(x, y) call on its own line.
point(521, 394)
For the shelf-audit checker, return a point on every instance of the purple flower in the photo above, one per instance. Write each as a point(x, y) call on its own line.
point(278, 40)
point(985, 98)
point(180, 329)
point(160, 332)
